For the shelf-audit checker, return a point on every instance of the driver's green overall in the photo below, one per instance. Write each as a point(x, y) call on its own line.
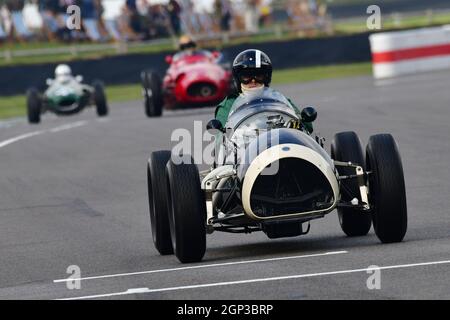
point(223, 110)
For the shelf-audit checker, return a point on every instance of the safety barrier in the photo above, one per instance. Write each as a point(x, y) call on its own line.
point(408, 52)
point(125, 69)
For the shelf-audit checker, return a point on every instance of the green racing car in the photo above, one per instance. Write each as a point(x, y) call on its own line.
point(66, 95)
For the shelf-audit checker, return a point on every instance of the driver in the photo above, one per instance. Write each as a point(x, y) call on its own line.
point(252, 73)
point(63, 74)
point(187, 45)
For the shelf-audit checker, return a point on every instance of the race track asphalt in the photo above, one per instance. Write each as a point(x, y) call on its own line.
point(73, 192)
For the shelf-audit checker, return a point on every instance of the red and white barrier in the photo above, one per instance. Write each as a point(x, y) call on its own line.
point(412, 51)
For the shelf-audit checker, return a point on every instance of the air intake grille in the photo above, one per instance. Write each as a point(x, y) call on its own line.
point(298, 186)
point(202, 89)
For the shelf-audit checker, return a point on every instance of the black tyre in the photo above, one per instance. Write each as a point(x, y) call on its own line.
point(187, 212)
point(100, 99)
point(345, 147)
point(34, 106)
point(386, 188)
point(153, 97)
point(157, 199)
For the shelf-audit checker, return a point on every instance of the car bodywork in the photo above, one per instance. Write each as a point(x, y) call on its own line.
point(67, 98)
point(276, 172)
point(195, 80)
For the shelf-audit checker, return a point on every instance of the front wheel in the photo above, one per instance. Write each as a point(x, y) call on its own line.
point(34, 106)
point(153, 98)
point(187, 211)
point(346, 147)
point(100, 99)
point(157, 198)
point(386, 188)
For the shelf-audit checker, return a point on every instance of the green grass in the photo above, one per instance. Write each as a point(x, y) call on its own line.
point(67, 57)
point(14, 106)
point(321, 72)
point(389, 23)
point(337, 3)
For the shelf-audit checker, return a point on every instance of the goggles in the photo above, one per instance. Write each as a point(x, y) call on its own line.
point(188, 45)
point(247, 78)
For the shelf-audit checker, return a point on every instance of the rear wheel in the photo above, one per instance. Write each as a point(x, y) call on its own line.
point(345, 147)
point(157, 199)
point(386, 188)
point(153, 98)
point(187, 211)
point(100, 99)
point(34, 106)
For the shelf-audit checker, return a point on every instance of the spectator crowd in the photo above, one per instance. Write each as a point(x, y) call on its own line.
point(134, 20)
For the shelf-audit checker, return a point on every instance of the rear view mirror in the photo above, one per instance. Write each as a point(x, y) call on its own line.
point(169, 59)
point(213, 126)
point(309, 114)
point(49, 81)
point(79, 78)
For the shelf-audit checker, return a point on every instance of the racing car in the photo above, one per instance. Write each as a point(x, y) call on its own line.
point(194, 79)
point(65, 95)
point(271, 175)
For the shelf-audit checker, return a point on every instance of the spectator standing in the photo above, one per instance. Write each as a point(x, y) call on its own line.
point(99, 11)
point(159, 22)
point(134, 19)
point(15, 8)
point(110, 17)
point(190, 20)
point(174, 11)
point(293, 9)
point(251, 16)
point(3, 33)
point(265, 11)
point(66, 34)
point(206, 22)
point(90, 19)
point(313, 7)
point(222, 9)
point(49, 10)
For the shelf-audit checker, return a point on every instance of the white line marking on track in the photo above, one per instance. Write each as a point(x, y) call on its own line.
point(35, 133)
point(203, 266)
point(21, 137)
point(228, 283)
point(137, 290)
point(68, 126)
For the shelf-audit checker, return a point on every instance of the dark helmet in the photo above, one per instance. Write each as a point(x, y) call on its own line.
point(186, 42)
point(254, 62)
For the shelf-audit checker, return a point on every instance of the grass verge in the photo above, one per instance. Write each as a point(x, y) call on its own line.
point(392, 23)
point(14, 106)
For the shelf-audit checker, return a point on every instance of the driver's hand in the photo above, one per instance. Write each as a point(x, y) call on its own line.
point(295, 124)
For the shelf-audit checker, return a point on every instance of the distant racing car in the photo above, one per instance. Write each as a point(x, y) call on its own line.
point(193, 79)
point(65, 95)
point(271, 175)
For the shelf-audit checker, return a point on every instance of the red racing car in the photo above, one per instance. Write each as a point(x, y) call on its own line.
point(193, 79)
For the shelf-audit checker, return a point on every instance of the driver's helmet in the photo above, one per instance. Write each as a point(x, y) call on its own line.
point(63, 73)
point(186, 43)
point(253, 63)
